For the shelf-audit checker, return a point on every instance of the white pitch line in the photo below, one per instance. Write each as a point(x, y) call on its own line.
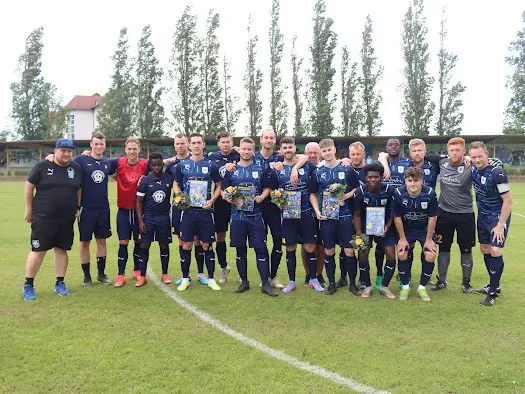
point(514, 213)
point(205, 317)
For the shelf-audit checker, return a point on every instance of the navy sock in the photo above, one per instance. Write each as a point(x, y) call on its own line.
point(403, 272)
point(410, 260)
point(329, 263)
point(101, 264)
point(486, 258)
point(144, 258)
point(165, 259)
point(86, 268)
point(59, 279)
point(342, 265)
point(242, 262)
point(426, 272)
point(220, 249)
point(351, 266)
point(364, 271)
point(380, 256)
point(30, 281)
point(496, 269)
point(185, 259)
point(122, 259)
point(275, 262)
point(136, 256)
point(390, 267)
point(199, 257)
point(209, 257)
point(291, 264)
point(261, 255)
point(311, 261)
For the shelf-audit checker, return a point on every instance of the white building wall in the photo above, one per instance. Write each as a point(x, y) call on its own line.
point(84, 123)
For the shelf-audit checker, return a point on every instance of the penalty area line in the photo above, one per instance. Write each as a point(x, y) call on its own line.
point(521, 216)
point(205, 317)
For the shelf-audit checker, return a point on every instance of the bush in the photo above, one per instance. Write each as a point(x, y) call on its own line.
point(20, 172)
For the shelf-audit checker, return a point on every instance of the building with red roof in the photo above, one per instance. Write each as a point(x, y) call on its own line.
point(83, 116)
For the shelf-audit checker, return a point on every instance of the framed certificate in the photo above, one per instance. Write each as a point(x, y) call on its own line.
point(198, 193)
point(330, 205)
point(248, 198)
point(292, 209)
point(375, 220)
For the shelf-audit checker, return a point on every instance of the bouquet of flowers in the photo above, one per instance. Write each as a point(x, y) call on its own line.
point(181, 200)
point(359, 241)
point(278, 197)
point(231, 193)
point(337, 189)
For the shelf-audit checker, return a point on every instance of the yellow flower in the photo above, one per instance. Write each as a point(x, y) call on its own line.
point(229, 189)
point(277, 193)
point(358, 241)
point(178, 199)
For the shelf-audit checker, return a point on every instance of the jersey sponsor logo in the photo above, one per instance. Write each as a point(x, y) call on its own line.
point(98, 176)
point(341, 175)
point(424, 204)
point(400, 169)
point(301, 171)
point(204, 170)
point(483, 180)
point(384, 201)
point(50, 171)
point(159, 196)
point(426, 171)
point(461, 169)
point(35, 243)
point(70, 172)
point(255, 175)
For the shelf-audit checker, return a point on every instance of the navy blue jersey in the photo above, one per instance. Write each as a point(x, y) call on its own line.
point(252, 175)
point(430, 172)
point(360, 175)
point(283, 180)
point(489, 184)
point(156, 193)
point(190, 170)
point(259, 159)
point(415, 211)
point(324, 176)
point(95, 181)
point(397, 171)
point(363, 199)
point(220, 160)
point(170, 168)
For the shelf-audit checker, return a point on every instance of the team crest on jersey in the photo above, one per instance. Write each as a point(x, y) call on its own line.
point(341, 175)
point(98, 176)
point(424, 204)
point(222, 171)
point(400, 169)
point(159, 196)
point(301, 171)
point(35, 243)
point(70, 172)
point(255, 175)
point(426, 171)
point(204, 170)
point(384, 201)
point(483, 180)
point(461, 169)
point(405, 202)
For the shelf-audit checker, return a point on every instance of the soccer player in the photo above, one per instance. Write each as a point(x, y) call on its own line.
point(298, 230)
point(180, 142)
point(376, 194)
point(129, 170)
point(494, 210)
point(94, 212)
point(222, 209)
point(335, 231)
point(415, 210)
point(52, 211)
point(153, 213)
point(197, 221)
point(249, 223)
point(313, 153)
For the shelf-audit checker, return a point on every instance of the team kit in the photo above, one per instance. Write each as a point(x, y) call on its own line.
point(313, 200)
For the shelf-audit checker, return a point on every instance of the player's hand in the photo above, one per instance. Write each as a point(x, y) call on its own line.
point(320, 217)
point(237, 202)
point(28, 217)
point(294, 177)
point(430, 246)
point(402, 246)
point(86, 152)
point(77, 215)
point(278, 165)
point(258, 199)
point(230, 167)
point(467, 160)
point(345, 161)
point(498, 234)
point(495, 162)
point(209, 205)
point(386, 173)
point(50, 157)
point(236, 149)
point(142, 227)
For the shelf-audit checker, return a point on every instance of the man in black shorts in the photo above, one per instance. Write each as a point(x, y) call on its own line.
point(52, 212)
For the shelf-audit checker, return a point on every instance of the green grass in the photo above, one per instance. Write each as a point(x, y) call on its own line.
point(102, 339)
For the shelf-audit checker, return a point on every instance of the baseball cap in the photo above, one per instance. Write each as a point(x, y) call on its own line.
point(65, 143)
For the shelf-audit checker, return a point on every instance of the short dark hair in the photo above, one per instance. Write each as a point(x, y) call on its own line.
point(154, 156)
point(195, 134)
point(287, 140)
point(415, 173)
point(98, 135)
point(223, 134)
point(374, 167)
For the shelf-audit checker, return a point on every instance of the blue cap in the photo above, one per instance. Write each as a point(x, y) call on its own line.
point(65, 143)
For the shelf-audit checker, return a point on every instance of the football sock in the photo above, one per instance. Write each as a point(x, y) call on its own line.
point(86, 268)
point(209, 257)
point(467, 263)
point(311, 260)
point(261, 255)
point(364, 271)
point(165, 259)
point(275, 262)
point(380, 256)
point(329, 262)
point(443, 263)
point(122, 259)
point(342, 265)
point(144, 258)
point(351, 267)
point(30, 281)
point(496, 269)
point(390, 267)
point(185, 259)
point(220, 248)
point(403, 272)
point(291, 264)
point(136, 256)
point(101, 264)
point(426, 272)
point(242, 262)
point(59, 279)
point(199, 258)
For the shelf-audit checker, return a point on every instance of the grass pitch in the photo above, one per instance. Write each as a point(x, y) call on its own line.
point(102, 339)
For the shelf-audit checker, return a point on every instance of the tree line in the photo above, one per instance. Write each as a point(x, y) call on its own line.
point(201, 97)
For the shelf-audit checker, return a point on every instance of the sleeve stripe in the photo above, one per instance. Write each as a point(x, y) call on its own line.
point(503, 188)
point(141, 194)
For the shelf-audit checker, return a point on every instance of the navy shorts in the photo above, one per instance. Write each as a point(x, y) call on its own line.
point(337, 232)
point(390, 239)
point(272, 219)
point(175, 220)
point(419, 235)
point(197, 222)
point(299, 231)
point(485, 226)
point(94, 221)
point(251, 227)
point(221, 213)
point(127, 224)
point(317, 226)
point(158, 228)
